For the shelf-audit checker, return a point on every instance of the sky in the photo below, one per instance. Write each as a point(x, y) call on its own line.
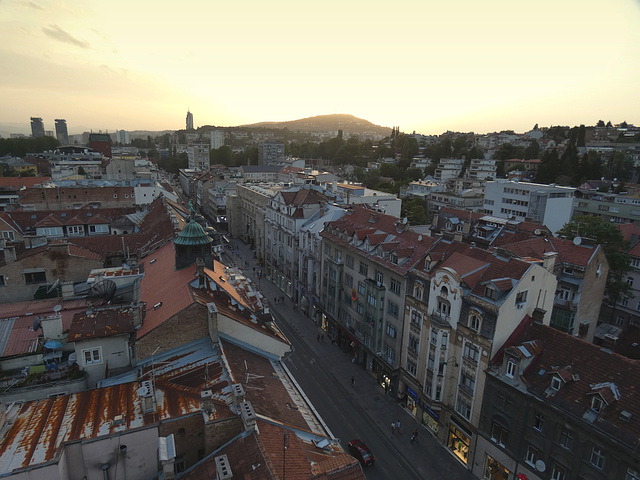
point(426, 66)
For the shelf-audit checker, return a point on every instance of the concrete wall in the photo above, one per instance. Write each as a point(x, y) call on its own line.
point(114, 353)
point(251, 336)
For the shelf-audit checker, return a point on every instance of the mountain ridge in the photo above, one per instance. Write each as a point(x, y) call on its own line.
point(327, 123)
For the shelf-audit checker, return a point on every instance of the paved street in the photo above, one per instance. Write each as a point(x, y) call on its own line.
point(362, 411)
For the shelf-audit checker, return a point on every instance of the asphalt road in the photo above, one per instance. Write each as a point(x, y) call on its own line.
point(344, 417)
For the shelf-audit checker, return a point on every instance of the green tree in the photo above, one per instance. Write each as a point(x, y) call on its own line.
point(613, 245)
point(532, 151)
point(222, 156)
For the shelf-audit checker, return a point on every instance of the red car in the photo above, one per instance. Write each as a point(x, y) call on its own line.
point(361, 452)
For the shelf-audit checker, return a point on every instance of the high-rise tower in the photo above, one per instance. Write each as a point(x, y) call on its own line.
point(62, 134)
point(37, 127)
point(189, 120)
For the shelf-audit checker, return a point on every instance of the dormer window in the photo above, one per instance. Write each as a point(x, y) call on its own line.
point(511, 367)
point(393, 258)
point(556, 383)
point(418, 291)
point(490, 292)
point(448, 226)
point(597, 404)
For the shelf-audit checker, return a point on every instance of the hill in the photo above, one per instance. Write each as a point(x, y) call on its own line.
point(328, 123)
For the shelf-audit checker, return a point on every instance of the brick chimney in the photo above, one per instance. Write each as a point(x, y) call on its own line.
point(549, 261)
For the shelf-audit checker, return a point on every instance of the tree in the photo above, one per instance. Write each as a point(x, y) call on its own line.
point(613, 245)
point(600, 123)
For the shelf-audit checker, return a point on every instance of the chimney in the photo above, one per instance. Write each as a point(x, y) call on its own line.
point(9, 254)
point(52, 325)
point(167, 456)
point(248, 415)
point(538, 315)
point(213, 322)
point(200, 272)
point(223, 468)
point(609, 341)
point(137, 308)
point(549, 261)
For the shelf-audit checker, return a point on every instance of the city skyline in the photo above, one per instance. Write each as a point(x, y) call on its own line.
point(423, 66)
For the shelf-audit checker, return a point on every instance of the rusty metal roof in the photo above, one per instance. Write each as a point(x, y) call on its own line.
point(101, 323)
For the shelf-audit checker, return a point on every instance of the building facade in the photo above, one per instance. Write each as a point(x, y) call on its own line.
point(199, 156)
point(37, 127)
point(62, 134)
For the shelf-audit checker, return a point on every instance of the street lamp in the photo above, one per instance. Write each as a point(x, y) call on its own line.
point(442, 364)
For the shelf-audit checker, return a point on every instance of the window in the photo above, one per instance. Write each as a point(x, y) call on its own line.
point(379, 278)
point(597, 458)
point(511, 367)
point(467, 382)
point(521, 297)
point(416, 317)
point(115, 195)
point(471, 352)
point(395, 286)
point(349, 261)
point(8, 235)
point(418, 291)
point(632, 475)
point(92, 356)
point(532, 455)
point(566, 440)
point(444, 308)
point(391, 331)
point(75, 230)
point(597, 404)
point(348, 280)
point(364, 269)
point(3, 280)
point(474, 322)
point(361, 288)
point(434, 337)
point(35, 277)
point(393, 258)
point(411, 368)
point(463, 408)
point(499, 434)
point(98, 228)
point(371, 299)
point(505, 402)
point(490, 292)
point(630, 281)
point(390, 353)
point(414, 343)
point(556, 383)
point(360, 308)
point(538, 421)
point(559, 473)
point(393, 309)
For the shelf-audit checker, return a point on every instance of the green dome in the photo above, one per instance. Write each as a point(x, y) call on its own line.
point(193, 233)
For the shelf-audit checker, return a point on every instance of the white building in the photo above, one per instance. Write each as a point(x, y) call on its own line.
point(550, 205)
point(123, 137)
point(199, 156)
point(481, 169)
point(217, 139)
point(448, 168)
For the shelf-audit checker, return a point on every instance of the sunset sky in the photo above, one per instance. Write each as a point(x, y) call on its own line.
point(424, 65)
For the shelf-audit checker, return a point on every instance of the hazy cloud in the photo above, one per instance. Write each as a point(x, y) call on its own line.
point(33, 5)
point(55, 32)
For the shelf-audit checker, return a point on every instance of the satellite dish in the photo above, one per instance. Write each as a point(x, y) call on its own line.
point(540, 466)
point(105, 290)
point(36, 323)
point(577, 241)
point(419, 238)
point(537, 231)
point(57, 308)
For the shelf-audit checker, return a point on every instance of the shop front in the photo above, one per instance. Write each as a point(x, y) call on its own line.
point(494, 470)
point(459, 442)
point(430, 419)
point(412, 401)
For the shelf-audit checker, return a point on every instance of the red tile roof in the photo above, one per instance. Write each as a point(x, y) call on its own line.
point(594, 371)
point(21, 182)
point(100, 323)
point(163, 284)
point(19, 317)
point(568, 253)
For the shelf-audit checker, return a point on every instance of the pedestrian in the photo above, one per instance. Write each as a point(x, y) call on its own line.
point(398, 426)
point(353, 381)
point(393, 428)
point(415, 437)
point(318, 337)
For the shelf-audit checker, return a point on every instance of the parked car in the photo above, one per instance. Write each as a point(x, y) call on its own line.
point(359, 450)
